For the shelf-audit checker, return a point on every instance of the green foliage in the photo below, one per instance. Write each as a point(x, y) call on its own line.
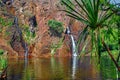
point(108, 69)
point(4, 25)
point(88, 12)
point(4, 22)
point(69, 3)
point(1, 51)
point(56, 28)
point(102, 24)
point(3, 63)
point(28, 36)
point(110, 35)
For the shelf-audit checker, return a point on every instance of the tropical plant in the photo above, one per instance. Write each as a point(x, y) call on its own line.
point(89, 13)
point(56, 28)
point(116, 10)
point(114, 23)
point(94, 14)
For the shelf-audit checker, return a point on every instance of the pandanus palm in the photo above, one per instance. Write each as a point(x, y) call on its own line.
point(89, 13)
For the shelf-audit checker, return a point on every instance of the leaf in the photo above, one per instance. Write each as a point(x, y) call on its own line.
point(76, 17)
point(99, 43)
point(82, 36)
point(84, 47)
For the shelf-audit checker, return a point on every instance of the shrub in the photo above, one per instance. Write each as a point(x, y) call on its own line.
point(5, 22)
point(28, 36)
point(56, 28)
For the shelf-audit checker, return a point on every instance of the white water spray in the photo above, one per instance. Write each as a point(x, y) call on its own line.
point(74, 52)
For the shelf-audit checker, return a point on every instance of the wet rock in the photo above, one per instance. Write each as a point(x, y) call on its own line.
point(33, 24)
point(7, 48)
point(17, 42)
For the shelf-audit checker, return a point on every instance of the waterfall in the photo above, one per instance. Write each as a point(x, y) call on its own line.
point(24, 44)
point(74, 51)
point(26, 51)
point(73, 46)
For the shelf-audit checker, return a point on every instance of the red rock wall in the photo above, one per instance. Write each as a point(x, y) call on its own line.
point(45, 10)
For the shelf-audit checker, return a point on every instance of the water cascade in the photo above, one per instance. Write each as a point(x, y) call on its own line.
point(74, 51)
point(24, 45)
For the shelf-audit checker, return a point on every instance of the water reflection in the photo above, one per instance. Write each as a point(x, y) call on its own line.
point(74, 65)
point(66, 68)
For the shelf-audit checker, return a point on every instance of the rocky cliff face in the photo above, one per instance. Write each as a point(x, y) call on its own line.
point(44, 10)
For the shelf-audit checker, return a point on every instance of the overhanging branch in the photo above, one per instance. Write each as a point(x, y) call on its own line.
point(108, 50)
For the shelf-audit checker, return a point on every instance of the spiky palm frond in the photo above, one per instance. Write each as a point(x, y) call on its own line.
point(89, 13)
point(90, 9)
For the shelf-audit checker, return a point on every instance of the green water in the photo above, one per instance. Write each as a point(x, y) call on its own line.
point(65, 68)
